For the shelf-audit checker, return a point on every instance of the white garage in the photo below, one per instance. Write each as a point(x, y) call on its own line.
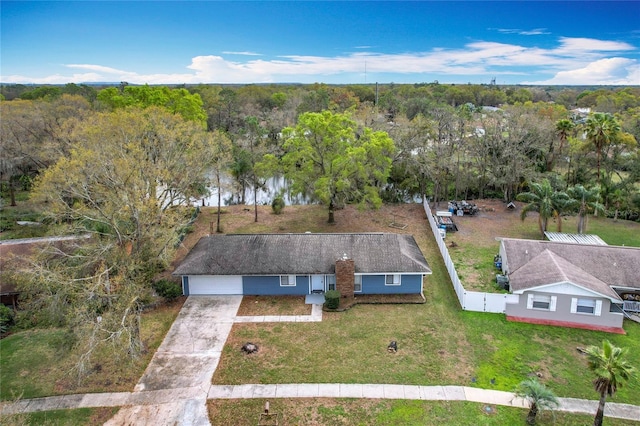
point(215, 284)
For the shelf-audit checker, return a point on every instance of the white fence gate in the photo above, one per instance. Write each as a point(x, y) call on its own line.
point(469, 300)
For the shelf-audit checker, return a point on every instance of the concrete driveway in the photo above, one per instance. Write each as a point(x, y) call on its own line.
point(173, 389)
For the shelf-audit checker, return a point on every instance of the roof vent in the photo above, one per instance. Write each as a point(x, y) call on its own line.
point(345, 257)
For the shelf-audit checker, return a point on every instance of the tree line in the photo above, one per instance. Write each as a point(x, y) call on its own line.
point(451, 140)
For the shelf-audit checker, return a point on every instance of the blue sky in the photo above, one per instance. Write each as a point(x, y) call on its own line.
point(165, 42)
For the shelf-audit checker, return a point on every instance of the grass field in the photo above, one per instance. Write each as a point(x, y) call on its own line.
point(347, 412)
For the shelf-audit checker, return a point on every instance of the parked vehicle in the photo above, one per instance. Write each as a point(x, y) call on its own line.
point(461, 208)
point(445, 221)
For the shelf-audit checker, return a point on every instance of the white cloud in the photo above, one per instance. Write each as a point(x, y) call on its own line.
point(535, 31)
point(609, 71)
point(572, 46)
point(242, 53)
point(97, 68)
point(572, 61)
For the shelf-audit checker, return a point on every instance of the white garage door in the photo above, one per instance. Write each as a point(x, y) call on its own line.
point(215, 284)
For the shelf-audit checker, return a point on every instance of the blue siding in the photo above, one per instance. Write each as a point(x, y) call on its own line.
point(375, 284)
point(270, 286)
point(185, 285)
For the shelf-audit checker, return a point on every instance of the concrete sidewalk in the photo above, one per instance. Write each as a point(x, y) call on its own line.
point(144, 403)
point(410, 392)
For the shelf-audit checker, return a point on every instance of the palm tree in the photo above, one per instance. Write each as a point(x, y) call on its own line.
point(539, 398)
point(564, 129)
point(601, 129)
point(611, 370)
point(545, 200)
point(587, 200)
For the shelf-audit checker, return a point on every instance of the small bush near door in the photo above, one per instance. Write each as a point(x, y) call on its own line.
point(332, 299)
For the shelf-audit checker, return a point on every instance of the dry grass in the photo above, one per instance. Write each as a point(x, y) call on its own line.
point(349, 346)
point(476, 243)
point(273, 305)
point(332, 411)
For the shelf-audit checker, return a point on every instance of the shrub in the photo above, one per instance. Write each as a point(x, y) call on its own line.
point(6, 318)
point(277, 205)
point(332, 299)
point(167, 289)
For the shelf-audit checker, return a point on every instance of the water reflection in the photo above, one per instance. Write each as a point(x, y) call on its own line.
point(232, 193)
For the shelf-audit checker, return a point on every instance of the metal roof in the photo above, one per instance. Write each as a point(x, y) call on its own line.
point(586, 239)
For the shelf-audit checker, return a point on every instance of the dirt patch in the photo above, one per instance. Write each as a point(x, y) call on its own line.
point(273, 305)
point(493, 220)
point(477, 241)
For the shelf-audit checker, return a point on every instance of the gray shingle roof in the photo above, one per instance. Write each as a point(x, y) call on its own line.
point(276, 254)
point(549, 268)
point(534, 263)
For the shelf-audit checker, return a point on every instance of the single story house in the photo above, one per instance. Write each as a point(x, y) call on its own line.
point(573, 285)
point(300, 264)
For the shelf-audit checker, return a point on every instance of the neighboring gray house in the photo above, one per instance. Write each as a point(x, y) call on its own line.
point(571, 285)
point(300, 264)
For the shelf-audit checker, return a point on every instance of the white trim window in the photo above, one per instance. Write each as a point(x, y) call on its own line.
point(542, 302)
point(330, 281)
point(586, 306)
point(392, 279)
point(357, 283)
point(287, 280)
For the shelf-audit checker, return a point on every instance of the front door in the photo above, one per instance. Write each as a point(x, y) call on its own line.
point(317, 283)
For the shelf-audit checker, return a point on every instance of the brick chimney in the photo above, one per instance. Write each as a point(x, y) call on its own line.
point(345, 276)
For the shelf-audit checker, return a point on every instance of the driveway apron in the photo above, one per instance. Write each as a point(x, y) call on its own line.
point(174, 387)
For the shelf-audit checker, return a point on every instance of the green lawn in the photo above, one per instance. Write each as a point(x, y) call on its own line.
point(36, 363)
point(324, 411)
point(620, 233)
point(76, 417)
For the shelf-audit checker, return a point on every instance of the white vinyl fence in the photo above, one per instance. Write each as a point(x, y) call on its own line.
point(469, 300)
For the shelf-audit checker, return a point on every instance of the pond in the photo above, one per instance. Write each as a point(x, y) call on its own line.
point(232, 193)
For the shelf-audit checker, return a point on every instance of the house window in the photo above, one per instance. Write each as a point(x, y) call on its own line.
point(357, 283)
point(616, 307)
point(287, 280)
point(542, 302)
point(392, 279)
point(331, 282)
point(586, 306)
